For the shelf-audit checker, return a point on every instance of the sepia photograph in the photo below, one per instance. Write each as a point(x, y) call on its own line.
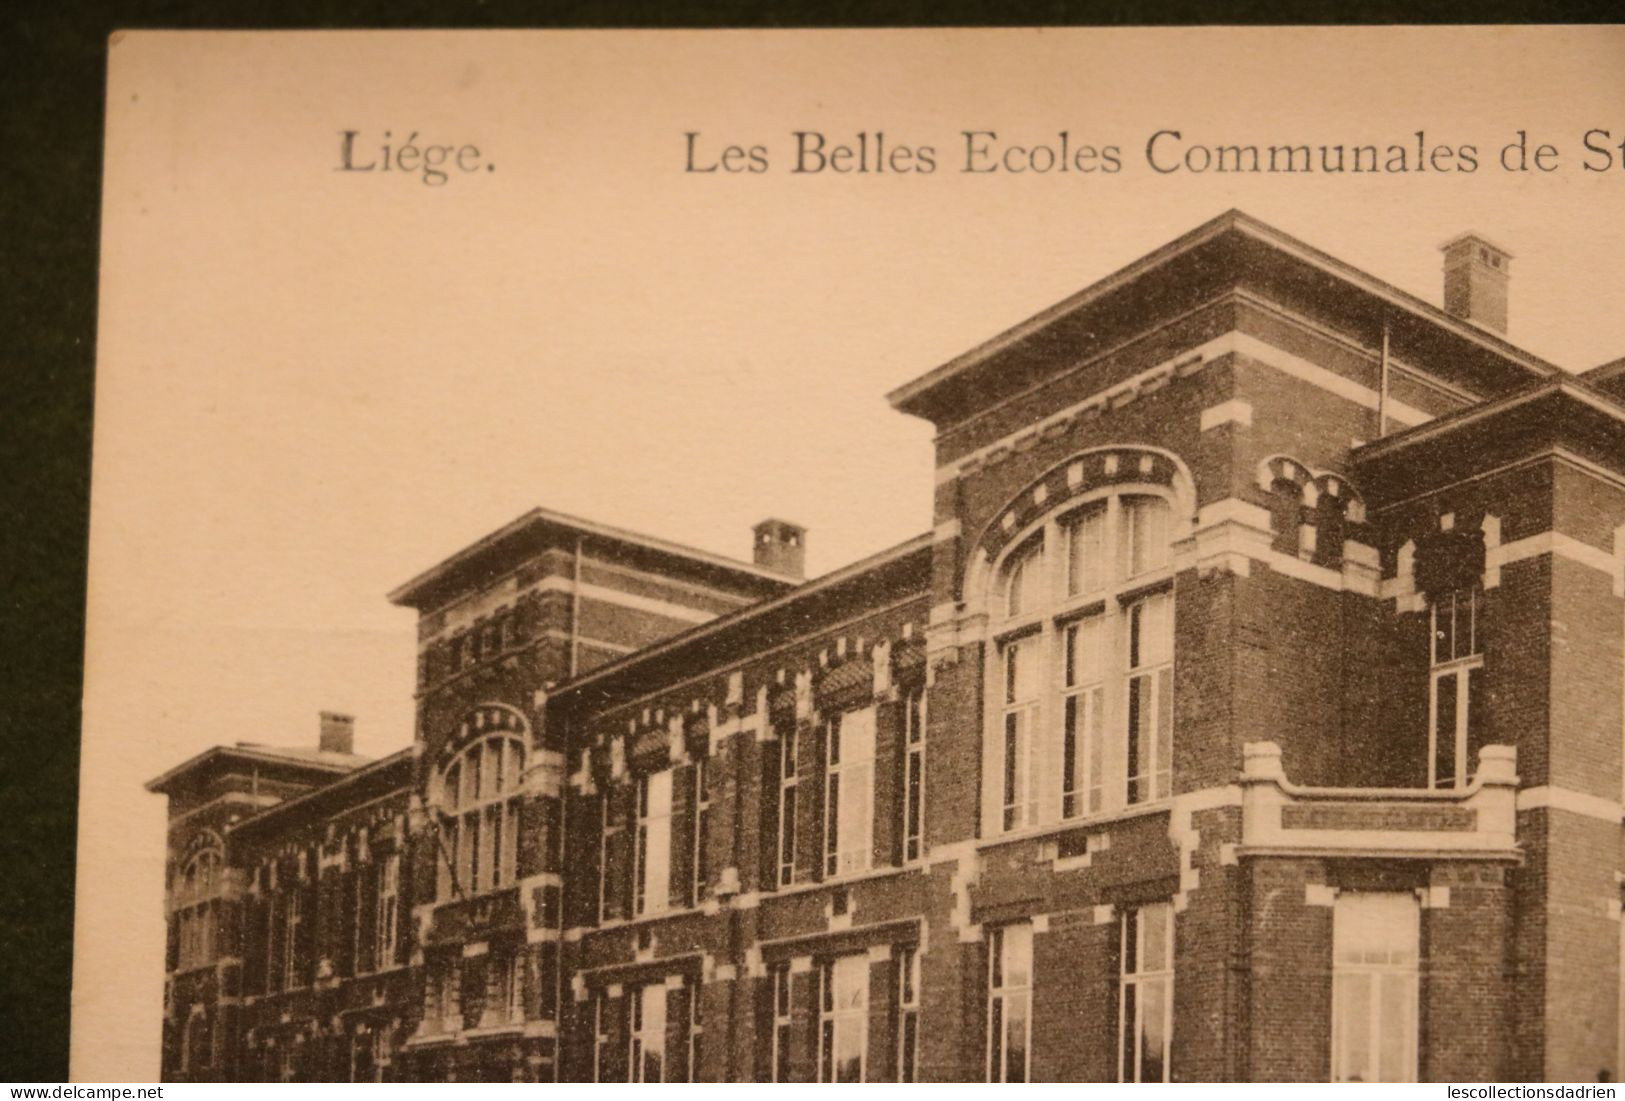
point(858, 556)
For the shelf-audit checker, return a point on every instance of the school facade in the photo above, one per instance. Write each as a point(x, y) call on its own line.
point(1253, 710)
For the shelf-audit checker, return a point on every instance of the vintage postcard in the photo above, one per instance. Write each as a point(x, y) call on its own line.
point(887, 556)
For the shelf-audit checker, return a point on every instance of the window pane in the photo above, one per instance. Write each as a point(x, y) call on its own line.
point(1021, 673)
point(657, 844)
point(995, 1051)
point(1017, 952)
point(1015, 1039)
point(1397, 1028)
point(1444, 629)
point(1477, 718)
point(1024, 579)
point(1153, 1029)
point(1086, 552)
point(1444, 730)
point(1353, 1012)
point(1145, 529)
point(1097, 749)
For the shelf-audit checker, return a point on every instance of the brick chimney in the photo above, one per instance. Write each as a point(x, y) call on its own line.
point(338, 733)
point(781, 546)
point(1475, 281)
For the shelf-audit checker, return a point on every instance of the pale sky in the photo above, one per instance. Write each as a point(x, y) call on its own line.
point(314, 384)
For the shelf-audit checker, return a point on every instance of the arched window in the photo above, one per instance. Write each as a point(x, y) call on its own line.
point(479, 800)
point(195, 899)
point(1082, 663)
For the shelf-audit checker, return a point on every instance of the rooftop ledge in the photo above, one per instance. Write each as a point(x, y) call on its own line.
point(1287, 819)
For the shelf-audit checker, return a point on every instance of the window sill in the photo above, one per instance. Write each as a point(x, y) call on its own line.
point(504, 1028)
point(1067, 825)
point(805, 886)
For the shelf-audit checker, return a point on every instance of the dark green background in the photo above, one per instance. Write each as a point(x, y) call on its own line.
point(51, 87)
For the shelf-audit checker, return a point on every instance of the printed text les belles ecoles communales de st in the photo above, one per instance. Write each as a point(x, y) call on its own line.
point(1166, 152)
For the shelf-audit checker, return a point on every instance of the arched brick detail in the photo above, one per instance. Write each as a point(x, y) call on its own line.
point(1284, 468)
point(479, 720)
point(1079, 476)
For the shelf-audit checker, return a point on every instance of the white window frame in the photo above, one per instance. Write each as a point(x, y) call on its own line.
point(606, 827)
point(293, 918)
point(913, 778)
point(1009, 985)
point(1145, 976)
point(849, 793)
point(362, 1041)
point(843, 1010)
point(784, 838)
point(600, 1036)
point(696, 1028)
point(1028, 752)
point(1458, 663)
point(783, 1011)
point(1376, 947)
point(197, 889)
point(387, 917)
point(651, 858)
point(908, 1013)
point(504, 989)
point(700, 861)
point(480, 814)
point(646, 1031)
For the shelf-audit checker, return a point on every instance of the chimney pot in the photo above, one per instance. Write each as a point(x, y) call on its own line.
point(337, 733)
point(1475, 281)
point(781, 546)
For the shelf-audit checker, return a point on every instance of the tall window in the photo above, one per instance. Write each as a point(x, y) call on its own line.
point(197, 1045)
point(783, 1022)
point(607, 826)
point(651, 869)
point(843, 1018)
point(1146, 994)
point(1456, 693)
point(1375, 937)
point(785, 858)
point(1009, 1009)
point(702, 830)
point(646, 1052)
point(504, 989)
point(849, 792)
point(1083, 714)
point(913, 774)
point(1150, 697)
point(1083, 663)
point(293, 971)
point(363, 1055)
point(600, 1038)
point(444, 994)
point(194, 901)
point(480, 829)
point(388, 913)
point(908, 1013)
point(1022, 658)
point(696, 1029)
